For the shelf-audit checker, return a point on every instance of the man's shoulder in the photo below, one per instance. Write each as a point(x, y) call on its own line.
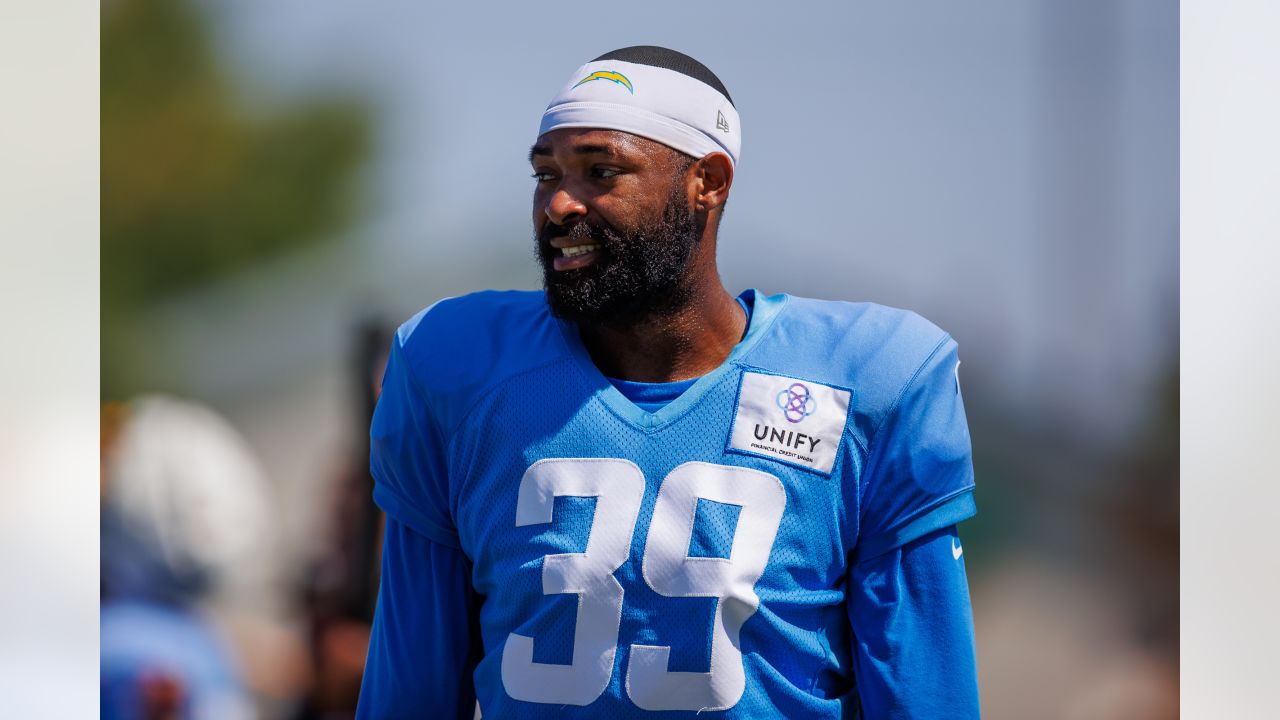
point(465, 312)
point(861, 332)
point(867, 321)
point(473, 341)
point(873, 349)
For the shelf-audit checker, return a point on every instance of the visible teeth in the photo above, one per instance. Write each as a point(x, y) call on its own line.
point(578, 250)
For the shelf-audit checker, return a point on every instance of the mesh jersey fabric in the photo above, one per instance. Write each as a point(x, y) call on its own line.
point(908, 608)
point(482, 392)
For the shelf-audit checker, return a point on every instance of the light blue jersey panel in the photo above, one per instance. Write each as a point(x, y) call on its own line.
point(690, 560)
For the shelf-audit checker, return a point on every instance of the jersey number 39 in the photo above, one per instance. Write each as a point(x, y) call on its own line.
point(618, 486)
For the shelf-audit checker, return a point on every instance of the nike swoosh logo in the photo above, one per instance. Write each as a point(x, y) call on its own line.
point(956, 550)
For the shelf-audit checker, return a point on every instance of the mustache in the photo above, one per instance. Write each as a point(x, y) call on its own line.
point(580, 230)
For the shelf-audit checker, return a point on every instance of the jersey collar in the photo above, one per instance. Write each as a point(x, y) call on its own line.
point(764, 309)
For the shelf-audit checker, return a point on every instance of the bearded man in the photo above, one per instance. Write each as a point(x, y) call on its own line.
point(635, 493)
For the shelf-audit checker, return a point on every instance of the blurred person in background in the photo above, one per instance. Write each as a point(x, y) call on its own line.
point(187, 580)
point(341, 588)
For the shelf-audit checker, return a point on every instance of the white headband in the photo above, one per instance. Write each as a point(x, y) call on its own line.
point(656, 103)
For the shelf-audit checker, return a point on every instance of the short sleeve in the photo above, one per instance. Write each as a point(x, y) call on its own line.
point(919, 474)
point(407, 455)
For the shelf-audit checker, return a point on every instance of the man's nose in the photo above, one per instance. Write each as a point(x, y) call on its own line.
point(564, 206)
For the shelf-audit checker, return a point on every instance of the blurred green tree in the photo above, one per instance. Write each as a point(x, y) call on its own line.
point(194, 186)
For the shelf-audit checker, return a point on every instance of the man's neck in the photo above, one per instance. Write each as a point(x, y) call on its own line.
point(687, 343)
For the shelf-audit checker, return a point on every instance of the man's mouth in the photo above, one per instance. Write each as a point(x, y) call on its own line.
point(575, 256)
point(578, 250)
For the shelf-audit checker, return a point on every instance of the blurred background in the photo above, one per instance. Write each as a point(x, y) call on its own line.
point(284, 181)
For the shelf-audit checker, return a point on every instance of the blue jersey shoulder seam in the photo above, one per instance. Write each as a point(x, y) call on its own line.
point(447, 436)
point(871, 443)
point(486, 389)
point(421, 397)
point(422, 392)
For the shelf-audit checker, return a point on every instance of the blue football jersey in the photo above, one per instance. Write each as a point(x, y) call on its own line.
point(694, 559)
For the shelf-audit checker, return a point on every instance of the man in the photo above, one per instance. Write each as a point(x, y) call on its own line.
point(635, 492)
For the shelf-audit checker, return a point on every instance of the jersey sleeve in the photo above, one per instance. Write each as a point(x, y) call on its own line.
point(913, 632)
point(425, 640)
point(407, 454)
point(919, 474)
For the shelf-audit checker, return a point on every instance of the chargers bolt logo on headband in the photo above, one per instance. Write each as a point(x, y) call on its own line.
point(608, 75)
point(684, 105)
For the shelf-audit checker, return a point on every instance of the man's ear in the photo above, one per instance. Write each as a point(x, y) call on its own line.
point(712, 176)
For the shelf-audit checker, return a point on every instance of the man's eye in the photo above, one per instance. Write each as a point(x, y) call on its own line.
point(542, 176)
point(605, 172)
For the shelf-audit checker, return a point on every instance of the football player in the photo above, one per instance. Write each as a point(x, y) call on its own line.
point(636, 495)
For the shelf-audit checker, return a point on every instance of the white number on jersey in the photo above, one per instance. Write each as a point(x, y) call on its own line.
point(618, 486)
point(670, 571)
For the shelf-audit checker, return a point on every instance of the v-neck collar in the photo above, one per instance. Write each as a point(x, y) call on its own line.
point(763, 311)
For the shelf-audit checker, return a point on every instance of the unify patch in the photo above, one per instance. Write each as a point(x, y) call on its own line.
point(788, 419)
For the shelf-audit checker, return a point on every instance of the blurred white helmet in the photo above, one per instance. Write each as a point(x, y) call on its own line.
point(181, 474)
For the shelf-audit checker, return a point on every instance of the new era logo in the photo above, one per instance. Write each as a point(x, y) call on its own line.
point(721, 123)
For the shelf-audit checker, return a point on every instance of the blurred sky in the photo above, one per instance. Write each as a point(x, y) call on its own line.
point(1007, 169)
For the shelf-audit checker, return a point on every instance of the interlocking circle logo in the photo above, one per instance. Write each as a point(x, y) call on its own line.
point(796, 402)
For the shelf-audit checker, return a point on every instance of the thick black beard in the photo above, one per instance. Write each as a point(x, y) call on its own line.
point(641, 273)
